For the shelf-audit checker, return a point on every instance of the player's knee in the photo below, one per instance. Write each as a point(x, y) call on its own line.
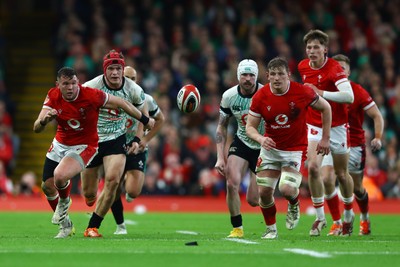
point(133, 193)
point(359, 192)
point(232, 185)
point(111, 183)
point(48, 188)
point(289, 183)
point(313, 169)
point(89, 194)
point(342, 178)
point(253, 201)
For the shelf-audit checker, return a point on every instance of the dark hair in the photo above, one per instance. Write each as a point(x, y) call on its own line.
point(277, 63)
point(342, 58)
point(319, 35)
point(66, 72)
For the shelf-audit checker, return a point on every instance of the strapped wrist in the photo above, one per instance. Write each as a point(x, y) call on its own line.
point(144, 119)
point(136, 139)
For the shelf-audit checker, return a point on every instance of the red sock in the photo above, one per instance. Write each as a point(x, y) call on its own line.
point(53, 202)
point(294, 201)
point(348, 206)
point(363, 203)
point(333, 205)
point(269, 214)
point(318, 205)
point(64, 192)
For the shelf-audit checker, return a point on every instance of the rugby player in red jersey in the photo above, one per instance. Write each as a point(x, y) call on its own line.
point(76, 110)
point(328, 79)
point(363, 103)
point(283, 105)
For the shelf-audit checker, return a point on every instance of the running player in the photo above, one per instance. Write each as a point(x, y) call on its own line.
point(76, 109)
point(112, 140)
point(328, 79)
point(243, 151)
point(362, 103)
point(136, 162)
point(283, 105)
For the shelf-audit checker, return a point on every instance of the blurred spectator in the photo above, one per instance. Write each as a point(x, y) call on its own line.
point(391, 189)
point(321, 16)
point(28, 185)
point(202, 159)
point(6, 142)
point(201, 42)
point(153, 184)
point(174, 174)
point(80, 60)
point(211, 183)
point(372, 170)
point(6, 185)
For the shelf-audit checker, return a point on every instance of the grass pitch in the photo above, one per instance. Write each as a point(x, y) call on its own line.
point(158, 239)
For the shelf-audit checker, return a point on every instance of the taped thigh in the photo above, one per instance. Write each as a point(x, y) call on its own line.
point(267, 182)
point(292, 179)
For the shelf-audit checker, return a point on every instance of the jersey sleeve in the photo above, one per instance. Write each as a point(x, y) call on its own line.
point(137, 96)
point(48, 101)
point(224, 107)
point(254, 109)
point(337, 73)
point(311, 96)
point(365, 98)
point(100, 98)
point(152, 106)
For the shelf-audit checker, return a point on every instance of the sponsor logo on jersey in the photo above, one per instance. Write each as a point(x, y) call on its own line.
point(236, 108)
point(232, 149)
point(281, 119)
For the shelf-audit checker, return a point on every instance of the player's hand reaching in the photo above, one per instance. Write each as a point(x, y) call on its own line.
point(376, 144)
point(50, 115)
point(319, 92)
point(150, 124)
point(323, 147)
point(133, 148)
point(267, 143)
point(142, 145)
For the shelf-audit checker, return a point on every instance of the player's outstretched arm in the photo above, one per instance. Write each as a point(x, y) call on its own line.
point(344, 95)
point(117, 102)
point(159, 121)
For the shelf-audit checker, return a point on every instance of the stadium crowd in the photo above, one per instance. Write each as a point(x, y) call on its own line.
point(173, 43)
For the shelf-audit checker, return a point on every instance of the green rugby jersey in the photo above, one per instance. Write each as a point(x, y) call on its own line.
point(233, 103)
point(112, 122)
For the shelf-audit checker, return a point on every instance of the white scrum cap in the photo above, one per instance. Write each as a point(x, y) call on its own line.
point(247, 66)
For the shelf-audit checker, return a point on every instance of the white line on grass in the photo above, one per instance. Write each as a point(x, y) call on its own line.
point(186, 232)
point(130, 222)
point(130, 251)
point(307, 252)
point(243, 241)
point(366, 252)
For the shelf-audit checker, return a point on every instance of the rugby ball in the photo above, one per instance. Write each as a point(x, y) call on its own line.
point(188, 98)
